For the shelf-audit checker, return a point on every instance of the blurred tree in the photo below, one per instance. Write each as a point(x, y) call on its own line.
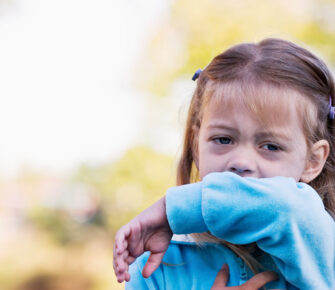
point(45, 281)
point(130, 184)
point(192, 33)
point(96, 201)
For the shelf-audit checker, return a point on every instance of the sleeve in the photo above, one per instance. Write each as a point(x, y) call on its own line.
point(286, 219)
point(137, 281)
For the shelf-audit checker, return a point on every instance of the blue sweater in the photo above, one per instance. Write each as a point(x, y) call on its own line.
point(286, 219)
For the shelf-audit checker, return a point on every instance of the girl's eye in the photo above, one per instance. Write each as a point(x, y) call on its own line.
point(223, 140)
point(271, 147)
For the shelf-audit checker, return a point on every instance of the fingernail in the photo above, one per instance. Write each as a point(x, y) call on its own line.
point(225, 267)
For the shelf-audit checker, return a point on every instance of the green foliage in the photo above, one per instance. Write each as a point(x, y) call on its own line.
point(130, 184)
point(120, 190)
point(194, 32)
point(51, 281)
point(60, 227)
point(54, 222)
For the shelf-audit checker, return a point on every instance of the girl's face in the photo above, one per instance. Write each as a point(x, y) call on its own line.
point(232, 139)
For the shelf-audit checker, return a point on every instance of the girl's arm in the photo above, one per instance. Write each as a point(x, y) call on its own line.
point(286, 219)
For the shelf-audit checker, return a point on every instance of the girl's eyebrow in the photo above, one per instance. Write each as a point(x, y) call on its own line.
point(215, 125)
point(272, 134)
point(260, 135)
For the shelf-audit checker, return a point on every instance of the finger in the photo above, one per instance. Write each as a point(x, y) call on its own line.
point(221, 278)
point(121, 267)
point(152, 264)
point(114, 256)
point(134, 239)
point(122, 262)
point(130, 260)
point(115, 265)
point(124, 276)
point(127, 277)
point(260, 279)
point(120, 237)
point(121, 277)
point(125, 244)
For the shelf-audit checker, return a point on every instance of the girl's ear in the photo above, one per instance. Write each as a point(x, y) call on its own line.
point(318, 156)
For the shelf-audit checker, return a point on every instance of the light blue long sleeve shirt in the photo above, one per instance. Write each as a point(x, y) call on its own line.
point(286, 219)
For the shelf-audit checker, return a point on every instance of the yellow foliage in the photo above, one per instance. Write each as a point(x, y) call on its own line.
point(130, 184)
point(194, 32)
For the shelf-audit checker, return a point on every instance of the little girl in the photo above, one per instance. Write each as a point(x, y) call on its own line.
point(256, 183)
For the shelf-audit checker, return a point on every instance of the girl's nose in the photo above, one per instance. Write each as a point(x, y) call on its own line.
point(240, 170)
point(242, 163)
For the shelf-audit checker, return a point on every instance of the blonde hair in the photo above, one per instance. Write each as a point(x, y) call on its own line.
point(275, 64)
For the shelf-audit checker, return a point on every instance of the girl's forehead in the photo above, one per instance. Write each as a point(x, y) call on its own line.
point(269, 104)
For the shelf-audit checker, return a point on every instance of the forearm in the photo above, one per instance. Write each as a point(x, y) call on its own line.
point(287, 220)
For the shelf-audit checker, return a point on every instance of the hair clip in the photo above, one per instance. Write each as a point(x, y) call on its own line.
point(196, 74)
point(331, 109)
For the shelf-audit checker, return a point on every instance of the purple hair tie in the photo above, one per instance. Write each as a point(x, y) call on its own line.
point(196, 74)
point(331, 109)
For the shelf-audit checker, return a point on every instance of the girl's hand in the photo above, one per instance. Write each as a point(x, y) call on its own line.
point(256, 282)
point(149, 231)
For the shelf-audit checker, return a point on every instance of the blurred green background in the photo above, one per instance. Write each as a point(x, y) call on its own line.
point(90, 62)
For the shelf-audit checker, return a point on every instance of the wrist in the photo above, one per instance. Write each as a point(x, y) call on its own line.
point(154, 217)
